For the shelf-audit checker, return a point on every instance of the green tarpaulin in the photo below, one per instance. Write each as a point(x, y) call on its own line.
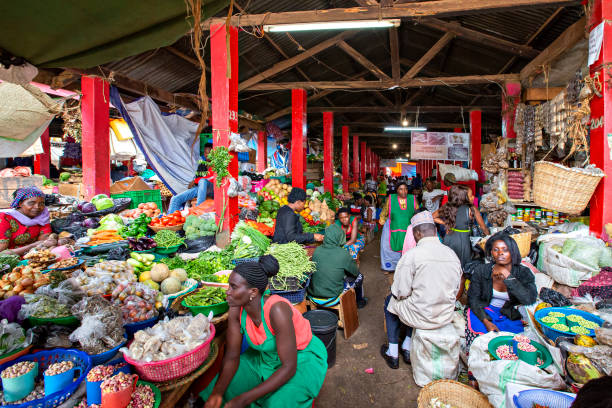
point(86, 33)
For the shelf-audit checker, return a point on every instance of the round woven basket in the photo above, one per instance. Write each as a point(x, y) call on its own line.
point(523, 241)
point(563, 189)
point(168, 227)
point(454, 393)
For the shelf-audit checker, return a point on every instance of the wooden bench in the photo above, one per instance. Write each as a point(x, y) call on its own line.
point(347, 312)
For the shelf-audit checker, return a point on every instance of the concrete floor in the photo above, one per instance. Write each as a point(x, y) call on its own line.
point(346, 384)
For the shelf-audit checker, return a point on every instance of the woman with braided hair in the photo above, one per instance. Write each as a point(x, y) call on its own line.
point(285, 364)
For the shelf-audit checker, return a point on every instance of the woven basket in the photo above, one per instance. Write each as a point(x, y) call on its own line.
point(454, 393)
point(523, 241)
point(167, 227)
point(561, 188)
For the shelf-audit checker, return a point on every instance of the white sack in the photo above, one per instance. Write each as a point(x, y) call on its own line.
point(435, 354)
point(460, 173)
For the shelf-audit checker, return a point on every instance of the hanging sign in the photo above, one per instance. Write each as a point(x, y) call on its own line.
point(440, 146)
point(595, 41)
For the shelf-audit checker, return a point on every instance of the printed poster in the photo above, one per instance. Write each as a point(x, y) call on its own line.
point(440, 146)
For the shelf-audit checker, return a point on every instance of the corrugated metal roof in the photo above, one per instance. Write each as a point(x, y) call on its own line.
point(460, 57)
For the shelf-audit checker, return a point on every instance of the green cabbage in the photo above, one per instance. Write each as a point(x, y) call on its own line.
point(103, 203)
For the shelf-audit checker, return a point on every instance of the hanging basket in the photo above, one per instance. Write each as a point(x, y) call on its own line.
point(560, 188)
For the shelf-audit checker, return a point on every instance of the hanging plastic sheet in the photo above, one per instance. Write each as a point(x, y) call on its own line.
point(168, 142)
point(29, 146)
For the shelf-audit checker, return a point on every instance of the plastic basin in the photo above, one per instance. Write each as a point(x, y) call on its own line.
point(507, 340)
point(217, 309)
point(132, 328)
point(167, 250)
point(551, 333)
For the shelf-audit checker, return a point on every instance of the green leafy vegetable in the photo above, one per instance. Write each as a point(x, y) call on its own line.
point(293, 262)
point(167, 238)
point(218, 160)
point(206, 297)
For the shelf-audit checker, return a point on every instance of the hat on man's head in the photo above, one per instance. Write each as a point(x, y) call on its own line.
point(424, 217)
point(449, 178)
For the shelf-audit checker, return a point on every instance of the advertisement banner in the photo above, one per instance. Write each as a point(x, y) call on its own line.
point(440, 146)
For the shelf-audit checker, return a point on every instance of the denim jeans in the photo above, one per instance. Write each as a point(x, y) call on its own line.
point(394, 325)
point(178, 201)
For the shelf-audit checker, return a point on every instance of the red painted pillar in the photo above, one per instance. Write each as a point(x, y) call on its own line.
point(224, 92)
point(476, 136)
point(345, 158)
point(513, 90)
point(95, 136)
point(298, 137)
point(363, 162)
point(328, 152)
point(369, 161)
point(262, 151)
point(601, 122)
point(355, 158)
point(42, 161)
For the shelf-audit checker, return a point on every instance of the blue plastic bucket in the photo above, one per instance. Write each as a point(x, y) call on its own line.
point(19, 387)
point(55, 383)
point(94, 392)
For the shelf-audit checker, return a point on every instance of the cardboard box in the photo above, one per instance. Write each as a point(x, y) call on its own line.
point(72, 189)
point(8, 185)
point(132, 184)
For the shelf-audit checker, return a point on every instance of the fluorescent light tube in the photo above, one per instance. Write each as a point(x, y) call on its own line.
point(332, 25)
point(405, 129)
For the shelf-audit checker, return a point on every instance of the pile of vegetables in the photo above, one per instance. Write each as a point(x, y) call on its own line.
point(267, 212)
point(98, 203)
point(8, 258)
point(176, 218)
point(167, 238)
point(141, 262)
point(294, 264)
point(148, 209)
point(275, 191)
point(204, 266)
point(104, 237)
point(23, 280)
point(160, 277)
point(196, 227)
point(207, 296)
point(138, 228)
point(266, 229)
point(141, 244)
point(319, 210)
point(248, 242)
point(108, 222)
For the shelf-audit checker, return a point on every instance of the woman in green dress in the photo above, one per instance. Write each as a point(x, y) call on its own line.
point(395, 219)
point(284, 366)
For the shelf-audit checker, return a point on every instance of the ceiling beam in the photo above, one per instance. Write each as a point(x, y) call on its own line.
point(393, 109)
point(410, 101)
point(383, 124)
point(366, 63)
point(562, 44)
point(385, 85)
point(395, 55)
point(435, 8)
point(367, 3)
point(291, 62)
point(481, 38)
point(429, 55)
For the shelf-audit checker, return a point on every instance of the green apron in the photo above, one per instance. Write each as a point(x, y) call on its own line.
point(399, 220)
point(259, 362)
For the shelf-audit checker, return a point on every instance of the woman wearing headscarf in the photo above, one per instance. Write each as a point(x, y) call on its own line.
point(395, 219)
point(336, 271)
point(26, 224)
point(285, 364)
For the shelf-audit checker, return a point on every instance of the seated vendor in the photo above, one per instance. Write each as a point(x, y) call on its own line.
point(370, 214)
point(199, 188)
point(336, 271)
point(284, 366)
point(425, 284)
point(497, 289)
point(288, 226)
point(26, 224)
point(355, 242)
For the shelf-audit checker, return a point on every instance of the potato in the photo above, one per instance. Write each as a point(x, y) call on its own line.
point(9, 294)
point(18, 288)
point(29, 291)
point(14, 276)
point(27, 282)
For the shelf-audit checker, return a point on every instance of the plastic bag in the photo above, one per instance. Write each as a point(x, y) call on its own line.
point(553, 297)
point(561, 268)
point(599, 355)
point(52, 336)
point(234, 187)
point(136, 300)
point(67, 292)
point(13, 337)
point(494, 375)
point(586, 250)
point(237, 143)
point(604, 335)
point(101, 325)
point(198, 245)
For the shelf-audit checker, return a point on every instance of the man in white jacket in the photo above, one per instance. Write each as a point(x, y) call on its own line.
point(425, 285)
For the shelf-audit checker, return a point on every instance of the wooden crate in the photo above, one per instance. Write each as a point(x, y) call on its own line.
point(314, 171)
point(8, 185)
